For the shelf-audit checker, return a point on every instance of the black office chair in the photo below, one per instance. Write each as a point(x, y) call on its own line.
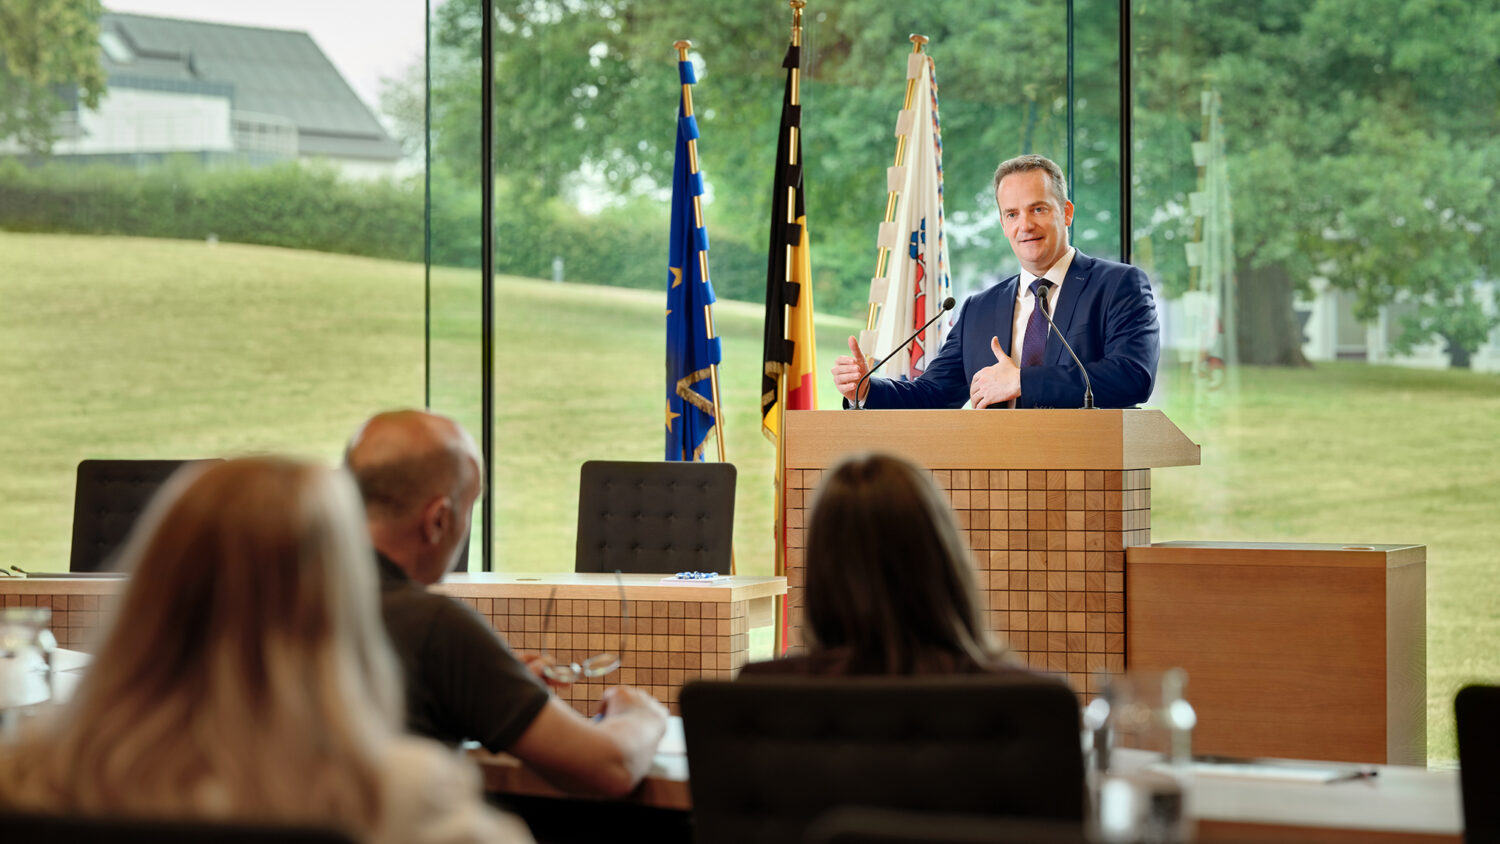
point(655, 518)
point(768, 755)
point(28, 828)
point(850, 825)
point(1477, 711)
point(110, 495)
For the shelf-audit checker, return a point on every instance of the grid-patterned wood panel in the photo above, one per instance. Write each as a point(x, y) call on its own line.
point(662, 643)
point(76, 618)
point(1049, 557)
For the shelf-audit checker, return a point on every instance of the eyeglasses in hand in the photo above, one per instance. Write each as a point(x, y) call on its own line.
point(597, 665)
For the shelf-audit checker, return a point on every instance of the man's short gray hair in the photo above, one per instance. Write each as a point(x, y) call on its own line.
point(1026, 163)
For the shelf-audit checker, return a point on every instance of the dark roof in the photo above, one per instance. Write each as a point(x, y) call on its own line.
point(269, 71)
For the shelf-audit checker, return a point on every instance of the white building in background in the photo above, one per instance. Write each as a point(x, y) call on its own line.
point(1330, 331)
point(223, 94)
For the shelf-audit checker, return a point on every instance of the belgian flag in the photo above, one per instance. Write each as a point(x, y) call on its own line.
point(790, 360)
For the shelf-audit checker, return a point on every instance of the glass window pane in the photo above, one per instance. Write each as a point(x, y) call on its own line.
point(1313, 189)
point(584, 103)
point(212, 245)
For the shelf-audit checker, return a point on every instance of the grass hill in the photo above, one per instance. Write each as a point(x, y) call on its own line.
point(127, 347)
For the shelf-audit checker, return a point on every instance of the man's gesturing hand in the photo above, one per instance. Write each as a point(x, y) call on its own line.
point(997, 383)
point(847, 371)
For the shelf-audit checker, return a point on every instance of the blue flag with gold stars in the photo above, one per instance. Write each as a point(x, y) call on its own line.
point(693, 352)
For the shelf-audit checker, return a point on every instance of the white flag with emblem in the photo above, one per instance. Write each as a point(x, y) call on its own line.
point(916, 277)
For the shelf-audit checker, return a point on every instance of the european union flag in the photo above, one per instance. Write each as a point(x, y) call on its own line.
point(693, 352)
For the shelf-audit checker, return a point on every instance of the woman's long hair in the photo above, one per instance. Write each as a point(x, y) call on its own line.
point(889, 579)
point(246, 674)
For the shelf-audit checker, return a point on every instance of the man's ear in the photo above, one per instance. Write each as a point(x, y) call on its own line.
point(435, 519)
point(1067, 213)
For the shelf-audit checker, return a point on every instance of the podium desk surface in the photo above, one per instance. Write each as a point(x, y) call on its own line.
point(45, 583)
point(999, 439)
point(605, 587)
point(569, 585)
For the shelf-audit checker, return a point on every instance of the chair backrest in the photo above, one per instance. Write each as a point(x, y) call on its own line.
point(851, 825)
point(1477, 711)
point(28, 828)
point(661, 517)
point(768, 755)
point(108, 498)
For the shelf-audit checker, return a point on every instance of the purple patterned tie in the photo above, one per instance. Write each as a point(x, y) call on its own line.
point(1035, 341)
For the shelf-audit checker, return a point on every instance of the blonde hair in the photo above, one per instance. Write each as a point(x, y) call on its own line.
point(247, 674)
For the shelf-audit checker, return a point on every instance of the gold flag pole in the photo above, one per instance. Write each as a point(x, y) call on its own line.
point(882, 256)
point(682, 48)
point(791, 218)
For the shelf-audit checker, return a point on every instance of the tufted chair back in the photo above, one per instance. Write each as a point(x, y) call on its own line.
point(109, 497)
point(1477, 713)
point(649, 518)
point(768, 755)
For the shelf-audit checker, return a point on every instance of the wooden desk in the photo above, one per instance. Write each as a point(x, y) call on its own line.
point(671, 633)
point(78, 604)
point(1401, 804)
point(665, 786)
point(1293, 650)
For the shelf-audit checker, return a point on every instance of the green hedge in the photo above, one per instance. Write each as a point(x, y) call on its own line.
point(622, 247)
point(302, 207)
point(285, 205)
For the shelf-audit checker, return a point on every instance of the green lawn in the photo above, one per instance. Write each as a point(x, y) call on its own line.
point(134, 348)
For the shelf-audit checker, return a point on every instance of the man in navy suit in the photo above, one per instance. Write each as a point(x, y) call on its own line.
point(1001, 353)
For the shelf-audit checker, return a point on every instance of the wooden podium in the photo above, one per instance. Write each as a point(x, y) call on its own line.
point(1048, 499)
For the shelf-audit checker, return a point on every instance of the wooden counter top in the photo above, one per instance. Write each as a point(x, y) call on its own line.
point(603, 587)
point(1306, 554)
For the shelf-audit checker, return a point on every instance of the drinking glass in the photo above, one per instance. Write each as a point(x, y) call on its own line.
point(26, 647)
point(1137, 798)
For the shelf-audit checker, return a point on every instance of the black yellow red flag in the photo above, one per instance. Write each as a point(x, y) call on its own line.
point(789, 346)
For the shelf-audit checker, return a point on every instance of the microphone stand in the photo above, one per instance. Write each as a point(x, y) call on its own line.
point(947, 306)
point(1088, 389)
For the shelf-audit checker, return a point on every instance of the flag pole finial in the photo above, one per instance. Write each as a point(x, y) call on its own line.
point(682, 47)
point(917, 42)
point(797, 7)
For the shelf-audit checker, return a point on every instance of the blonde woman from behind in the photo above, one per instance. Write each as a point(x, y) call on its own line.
point(246, 677)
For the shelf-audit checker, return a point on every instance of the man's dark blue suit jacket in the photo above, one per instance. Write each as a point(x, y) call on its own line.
point(1104, 309)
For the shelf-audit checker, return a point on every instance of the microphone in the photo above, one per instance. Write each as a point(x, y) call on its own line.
point(1041, 302)
point(947, 306)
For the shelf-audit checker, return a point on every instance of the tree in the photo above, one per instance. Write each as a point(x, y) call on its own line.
point(1325, 105)
point(49, 53)
point(585, 92)
point(1361, 144)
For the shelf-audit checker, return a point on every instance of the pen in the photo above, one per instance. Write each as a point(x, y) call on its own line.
point(1367, 774)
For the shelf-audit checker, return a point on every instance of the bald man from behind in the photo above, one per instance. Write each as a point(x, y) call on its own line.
point(420, 475)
